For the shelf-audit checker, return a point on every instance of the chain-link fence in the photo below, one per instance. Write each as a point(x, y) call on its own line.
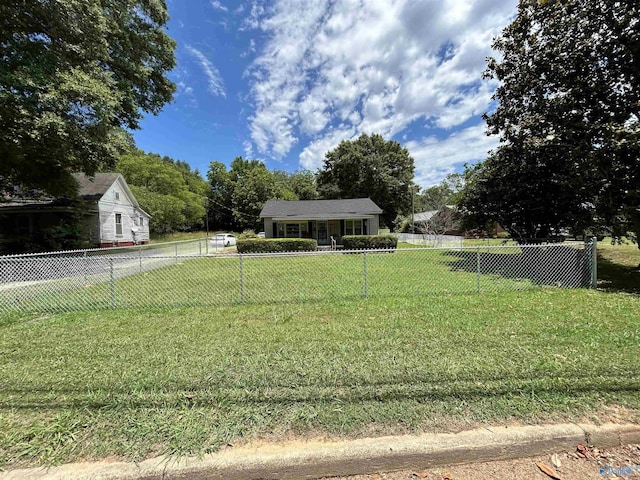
point(185, 275)
point(430, 240)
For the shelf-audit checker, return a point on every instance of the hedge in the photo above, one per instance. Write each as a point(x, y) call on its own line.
point(275, 245)
point(362, 242)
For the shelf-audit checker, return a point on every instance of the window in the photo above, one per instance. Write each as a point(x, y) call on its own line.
point(118, 224)
point(353, 227)
point(293, 230)
point(23, 224)
point(142, 221)
point(117, 195)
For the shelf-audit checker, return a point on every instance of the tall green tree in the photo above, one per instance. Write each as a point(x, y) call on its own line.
point(219, 208)
point(73, 75)
point(568, 111)
point(236, 196)
point(437, 196)
point(369, 166)
point(173, 194)
point(299, 185)
point(250, 193)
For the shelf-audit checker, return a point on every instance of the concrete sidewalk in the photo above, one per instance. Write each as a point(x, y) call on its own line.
point(316, 459)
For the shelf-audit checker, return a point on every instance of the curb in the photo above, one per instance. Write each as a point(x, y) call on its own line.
point(316, 459)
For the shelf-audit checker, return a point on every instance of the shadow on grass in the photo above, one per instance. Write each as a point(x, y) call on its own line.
point(553, 266)
point(441, 390)
point(614, 277)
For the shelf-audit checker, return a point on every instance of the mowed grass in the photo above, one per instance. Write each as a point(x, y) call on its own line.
point(191, 380)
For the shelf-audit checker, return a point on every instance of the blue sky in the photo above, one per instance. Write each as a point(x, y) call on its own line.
point(285, 81)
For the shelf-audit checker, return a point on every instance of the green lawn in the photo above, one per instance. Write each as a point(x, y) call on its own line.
point(178, 236)
point(135, 383)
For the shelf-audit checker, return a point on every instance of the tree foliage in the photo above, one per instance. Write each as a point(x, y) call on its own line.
point(73, 74)
point(568, 110)
point(369, 166)
point(169, 190)
point(446, 192)
point(237, 195)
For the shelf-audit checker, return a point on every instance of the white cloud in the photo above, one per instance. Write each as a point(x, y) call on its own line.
point(331, 70)
point(435, 159)
point(253, 20)
point(248, 149)
point(216, 5)
point(216, 85)
point(312, 156)
point(183, 88)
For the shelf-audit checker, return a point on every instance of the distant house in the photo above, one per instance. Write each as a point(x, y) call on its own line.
point(442, 221)
point(320, 219)
point(111, 215)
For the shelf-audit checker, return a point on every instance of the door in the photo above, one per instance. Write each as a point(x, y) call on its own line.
point(323, 233)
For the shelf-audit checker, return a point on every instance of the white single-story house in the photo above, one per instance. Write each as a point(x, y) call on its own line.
point(320, 219)
point(111, 215)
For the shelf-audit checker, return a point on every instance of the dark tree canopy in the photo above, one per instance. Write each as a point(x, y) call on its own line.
point(369, 166)
point(568, 110)
point(73, 75)
point(237, 195)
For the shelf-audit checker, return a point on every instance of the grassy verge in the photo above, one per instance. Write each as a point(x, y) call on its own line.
point(178, 236)
point(138, 383)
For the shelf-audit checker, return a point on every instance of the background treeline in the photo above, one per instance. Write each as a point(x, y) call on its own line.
point(180, 199)
point(231, 197)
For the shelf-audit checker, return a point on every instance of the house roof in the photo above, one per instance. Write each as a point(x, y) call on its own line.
point(426, 216)
point(312, 209)
point(93, 188)
point(90, 189)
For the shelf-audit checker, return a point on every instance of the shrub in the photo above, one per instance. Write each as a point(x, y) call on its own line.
point(247, 234)
point(361, 242)
point(276, 245)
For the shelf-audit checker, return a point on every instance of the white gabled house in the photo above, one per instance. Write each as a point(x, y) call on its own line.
point(111, 215)
point(117, 218)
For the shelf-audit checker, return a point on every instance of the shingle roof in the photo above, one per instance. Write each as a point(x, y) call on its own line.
point(426, 216)
point(93, 188)
point(308, 209)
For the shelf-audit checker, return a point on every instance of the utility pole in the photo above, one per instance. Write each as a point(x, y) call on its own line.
point(413, 210)
point(206, 221)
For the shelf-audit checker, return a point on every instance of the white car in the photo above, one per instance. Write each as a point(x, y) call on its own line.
point(261, 235)
point(223, 240)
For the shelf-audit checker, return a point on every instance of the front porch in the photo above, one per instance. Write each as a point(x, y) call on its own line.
point(323, 231)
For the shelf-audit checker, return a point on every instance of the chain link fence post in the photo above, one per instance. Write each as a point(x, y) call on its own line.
point(478, 267)
point(366, 289)
point(199, 247)
point(241, 281)
point(112, 287)
point(176, 245)
point(594, 262)
point(86, 268)
point(140, 257)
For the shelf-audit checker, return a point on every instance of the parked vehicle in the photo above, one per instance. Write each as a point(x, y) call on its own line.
point(223, 240)
point(261, 235)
